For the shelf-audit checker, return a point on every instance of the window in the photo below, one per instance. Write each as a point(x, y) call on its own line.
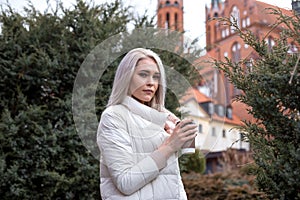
point(213, 131)
point(236, 52)
point(270, 41)
point(248, 21)
point(224, 133)
point(229, 112)
point(200, 128)
point(211, 108)
point(221, 110)
point(167, 20)
point(244, 23)
point(223, 33)
point(176, 21)
point(249, 65)
point(235, 16)
point(227, 85)
point(215, 83)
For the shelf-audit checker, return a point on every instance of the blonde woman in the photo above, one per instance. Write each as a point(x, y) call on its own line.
point(138, 138)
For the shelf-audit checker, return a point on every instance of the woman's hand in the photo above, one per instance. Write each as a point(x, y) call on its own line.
point(171, 123)
point(184, 132)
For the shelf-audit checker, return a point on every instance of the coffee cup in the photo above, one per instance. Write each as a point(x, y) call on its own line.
point(188, 147)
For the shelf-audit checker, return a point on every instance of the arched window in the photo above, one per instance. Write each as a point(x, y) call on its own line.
point(167, 25)
point(176, 21)
point(270, 41)
point(236, 52)
point(235, 16)
point(228, 94)
point(236, 56)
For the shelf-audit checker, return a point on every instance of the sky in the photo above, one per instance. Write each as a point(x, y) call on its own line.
point(194, 11)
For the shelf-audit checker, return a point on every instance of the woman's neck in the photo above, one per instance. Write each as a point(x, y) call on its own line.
point(142, 102)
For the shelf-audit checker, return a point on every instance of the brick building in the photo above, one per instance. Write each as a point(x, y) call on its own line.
point(215, 127)
point(170, 14)
point(223, 41)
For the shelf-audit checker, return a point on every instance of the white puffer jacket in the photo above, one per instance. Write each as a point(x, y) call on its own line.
point(130, 167)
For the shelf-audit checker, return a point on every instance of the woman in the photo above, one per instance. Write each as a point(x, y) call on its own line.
point(137, 136)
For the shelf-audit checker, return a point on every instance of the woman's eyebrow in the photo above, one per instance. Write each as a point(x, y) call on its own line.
point(148, 71)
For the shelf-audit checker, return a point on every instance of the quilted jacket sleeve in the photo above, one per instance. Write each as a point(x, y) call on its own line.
point(127, 173)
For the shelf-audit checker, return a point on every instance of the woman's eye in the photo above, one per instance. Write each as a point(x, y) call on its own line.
point(144, 75)
point(156, 77)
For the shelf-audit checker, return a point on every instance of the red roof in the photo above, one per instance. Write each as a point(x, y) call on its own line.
point(195, 94)
point(262, 8)
point(240, 109)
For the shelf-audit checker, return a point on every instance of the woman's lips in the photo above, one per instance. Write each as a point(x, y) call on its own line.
point(148, 91)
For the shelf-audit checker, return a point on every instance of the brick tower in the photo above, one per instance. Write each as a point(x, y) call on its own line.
point(170, 14)
point(223, 41)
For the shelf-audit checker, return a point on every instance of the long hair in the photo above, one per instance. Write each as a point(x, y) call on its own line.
point(124, 75)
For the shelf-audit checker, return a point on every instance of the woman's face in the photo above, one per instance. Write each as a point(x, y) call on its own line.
point(145, 80)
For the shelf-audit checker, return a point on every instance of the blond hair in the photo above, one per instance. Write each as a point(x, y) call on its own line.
point(125, 72)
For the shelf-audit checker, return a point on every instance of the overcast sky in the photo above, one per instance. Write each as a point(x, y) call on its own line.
point(194, 11)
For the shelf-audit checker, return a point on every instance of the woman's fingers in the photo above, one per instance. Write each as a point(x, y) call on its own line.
point(188, 135)
point(189, 127)
point(185, 131)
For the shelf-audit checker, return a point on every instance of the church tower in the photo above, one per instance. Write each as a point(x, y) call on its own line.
point(170, 14)
point(212, 34)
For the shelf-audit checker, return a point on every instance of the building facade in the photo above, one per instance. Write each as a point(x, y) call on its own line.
point(211, 103)
point(222, 41)
point(170, 14)
point(216, 127)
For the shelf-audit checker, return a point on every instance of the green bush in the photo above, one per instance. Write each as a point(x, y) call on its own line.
point(42, 156)
point(193, 162)
point(271, 89)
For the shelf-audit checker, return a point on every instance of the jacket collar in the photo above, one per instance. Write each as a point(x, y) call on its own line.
point(145, 112)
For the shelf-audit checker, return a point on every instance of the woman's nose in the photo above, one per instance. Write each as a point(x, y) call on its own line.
point(150, 81)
